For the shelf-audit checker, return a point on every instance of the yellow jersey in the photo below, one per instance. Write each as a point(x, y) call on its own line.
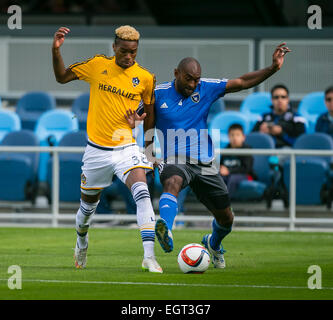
point(113, 90)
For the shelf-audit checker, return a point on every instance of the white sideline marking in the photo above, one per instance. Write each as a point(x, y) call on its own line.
point(170, 284)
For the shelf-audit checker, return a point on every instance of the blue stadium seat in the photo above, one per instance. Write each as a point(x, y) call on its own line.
point(9, 121)
point(256, 104)
point(50, 128)
point(222, 122)
point(312, 172)
point(70, 168)
point(311, 107)
point(311, 178)
point(315, 141)
point(255, 190)
point(32, 105)
point(80, 108)
point(217, 107)
point(18, 171)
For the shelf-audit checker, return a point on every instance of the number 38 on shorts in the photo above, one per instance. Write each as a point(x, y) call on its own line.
point(99, 166)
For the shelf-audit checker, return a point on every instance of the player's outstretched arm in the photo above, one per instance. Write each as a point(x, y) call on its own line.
point(62, 74)
point(252, 79)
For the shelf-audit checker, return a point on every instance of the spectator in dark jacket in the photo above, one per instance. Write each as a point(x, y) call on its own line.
point(325, 121)
point(233, 168)
point(282, 123)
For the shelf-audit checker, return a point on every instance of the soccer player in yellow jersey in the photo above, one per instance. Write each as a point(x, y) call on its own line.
point(117, 84)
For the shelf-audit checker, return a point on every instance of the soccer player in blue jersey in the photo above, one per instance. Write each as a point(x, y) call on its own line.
point(180, 117)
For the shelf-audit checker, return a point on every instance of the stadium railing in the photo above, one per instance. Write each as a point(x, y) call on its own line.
point(290, 221)
point(160, 56)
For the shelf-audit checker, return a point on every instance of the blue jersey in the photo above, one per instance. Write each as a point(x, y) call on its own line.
point(181, 122)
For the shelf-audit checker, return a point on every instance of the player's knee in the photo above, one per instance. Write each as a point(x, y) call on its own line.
point(225, 217)
point(173, 185)
point(90, 196)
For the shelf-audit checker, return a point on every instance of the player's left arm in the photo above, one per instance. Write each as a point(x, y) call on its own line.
point(252, 79)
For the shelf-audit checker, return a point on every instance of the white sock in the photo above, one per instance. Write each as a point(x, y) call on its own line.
point(148, 248)
point(83, 218)
point(145, 217)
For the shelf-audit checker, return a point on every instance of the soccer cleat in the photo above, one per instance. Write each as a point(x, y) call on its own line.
point(164, 235)
point(217, 255)
point(150, 264)
point(80, 257)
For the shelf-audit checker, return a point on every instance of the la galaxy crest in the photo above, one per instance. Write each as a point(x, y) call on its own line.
point(135, 81)
point(195, 97)
point(83, 179)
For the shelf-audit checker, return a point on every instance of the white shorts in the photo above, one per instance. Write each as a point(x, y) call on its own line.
point(99, 166)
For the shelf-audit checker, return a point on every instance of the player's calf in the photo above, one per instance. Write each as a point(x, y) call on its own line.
point(146, 223)
point(83, 219)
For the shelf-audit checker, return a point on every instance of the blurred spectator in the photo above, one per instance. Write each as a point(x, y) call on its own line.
point(282, 123)
point(325, 121)
point(233, 168)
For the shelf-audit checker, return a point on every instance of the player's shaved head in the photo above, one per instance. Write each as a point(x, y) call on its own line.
point(187, 76)
point(189, 64)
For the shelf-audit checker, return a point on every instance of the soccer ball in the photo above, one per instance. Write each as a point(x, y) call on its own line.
point(193, 258)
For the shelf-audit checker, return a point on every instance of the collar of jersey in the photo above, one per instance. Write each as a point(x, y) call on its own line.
point(179, 95)
point(114, 62)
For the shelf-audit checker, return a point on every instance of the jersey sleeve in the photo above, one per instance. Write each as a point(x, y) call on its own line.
point(84, 69)
point(215, 87)
point(148, 96)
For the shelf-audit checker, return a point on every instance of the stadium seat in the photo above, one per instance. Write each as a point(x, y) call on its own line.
point(50, 128)
point(222, 122)
point(18, 171)
point(32, 105)
point(255, 190)
point(315, 141)
point(313, 176)
point(217, 107)
point(70, 168)
point(311, 107)
point(80, 108)
point(256, 104)
point(9, 121)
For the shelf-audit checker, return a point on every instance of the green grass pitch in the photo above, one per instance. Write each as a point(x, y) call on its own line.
point(259, 265)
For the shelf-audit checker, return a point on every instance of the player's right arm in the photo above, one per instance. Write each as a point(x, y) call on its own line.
point(62, 74)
